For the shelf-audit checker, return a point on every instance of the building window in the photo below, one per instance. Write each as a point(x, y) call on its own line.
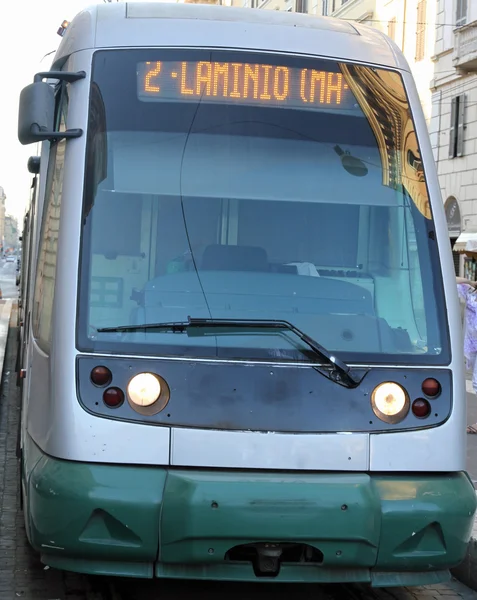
point(421, 30)
point(457, 126)
point(392, 28)
point(461, 13)
point(301, 6)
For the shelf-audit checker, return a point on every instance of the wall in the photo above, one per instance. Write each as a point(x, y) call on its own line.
point(458, 176)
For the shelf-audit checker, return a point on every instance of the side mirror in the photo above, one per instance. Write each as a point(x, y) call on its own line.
point(37, 109)
point(35, 118)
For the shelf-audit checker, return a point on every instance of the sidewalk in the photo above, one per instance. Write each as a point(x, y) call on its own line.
point(467, 571)
point(5, 312)
point(471, 439)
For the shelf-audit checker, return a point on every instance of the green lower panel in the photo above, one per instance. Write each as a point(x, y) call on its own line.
point(303, 574)
point(426, 521)
point(94, 512)
point(151, 521)
point(206, 514)
point(117, 568)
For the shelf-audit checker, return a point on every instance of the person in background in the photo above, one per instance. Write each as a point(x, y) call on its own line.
point(468, 293)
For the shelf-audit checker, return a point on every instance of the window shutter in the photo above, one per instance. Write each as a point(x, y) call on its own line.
point(392, 28)
point(452, 129)
point(460, 125)
point(461, 13)
point(421, 30)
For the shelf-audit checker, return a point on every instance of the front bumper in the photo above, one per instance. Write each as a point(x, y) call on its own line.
point(154, 521)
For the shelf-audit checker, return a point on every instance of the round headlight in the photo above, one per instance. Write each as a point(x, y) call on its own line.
point(390, 402)
point(144, 389)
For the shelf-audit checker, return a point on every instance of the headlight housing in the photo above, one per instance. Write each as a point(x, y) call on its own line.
point(390, 402)
point(147, 393)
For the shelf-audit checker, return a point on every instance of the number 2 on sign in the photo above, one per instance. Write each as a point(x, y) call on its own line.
point(152, 72)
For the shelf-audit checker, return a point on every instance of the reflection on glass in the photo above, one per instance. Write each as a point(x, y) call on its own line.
point(382, 97)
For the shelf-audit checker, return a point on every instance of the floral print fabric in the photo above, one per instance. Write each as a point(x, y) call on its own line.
point(469, 295)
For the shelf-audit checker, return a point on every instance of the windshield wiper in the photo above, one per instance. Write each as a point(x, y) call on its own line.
point(340, 373)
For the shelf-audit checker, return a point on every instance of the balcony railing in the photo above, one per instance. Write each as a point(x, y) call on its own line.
point(465, 53)
point(355, 9)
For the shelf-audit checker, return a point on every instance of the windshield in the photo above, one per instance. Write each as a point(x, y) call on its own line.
point(231, 185)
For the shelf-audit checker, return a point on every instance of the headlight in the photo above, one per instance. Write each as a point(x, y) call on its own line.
point(144, 389)
point(390, 402)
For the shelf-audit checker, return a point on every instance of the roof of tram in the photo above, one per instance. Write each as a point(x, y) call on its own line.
point(152, 24)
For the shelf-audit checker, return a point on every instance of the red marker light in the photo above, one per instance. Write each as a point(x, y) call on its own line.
point(431, 387)
point(113, 397)
point(421, 408)
point(101, 376)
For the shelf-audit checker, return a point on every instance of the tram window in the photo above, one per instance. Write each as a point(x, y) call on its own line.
point(250, 211)
point(119, 235)
point(331, 230)
point(416, 288)
point(173, 242)
point(46, 266)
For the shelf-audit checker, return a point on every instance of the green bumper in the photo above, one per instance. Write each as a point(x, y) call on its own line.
point(150, 521)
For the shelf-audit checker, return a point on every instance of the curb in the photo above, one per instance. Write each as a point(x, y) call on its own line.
point(5, 313)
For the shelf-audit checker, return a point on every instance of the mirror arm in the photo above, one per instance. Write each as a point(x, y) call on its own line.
point(55, 135)
point(61, 75)
point(69, 133)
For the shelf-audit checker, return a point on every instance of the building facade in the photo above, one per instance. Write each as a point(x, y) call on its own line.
point(454, 118)
point(10, 233)
point(313, 7)
point(3, 197)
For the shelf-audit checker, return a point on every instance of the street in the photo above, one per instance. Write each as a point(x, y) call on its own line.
point(471, 438)
point(22, 575)
point(8, 272)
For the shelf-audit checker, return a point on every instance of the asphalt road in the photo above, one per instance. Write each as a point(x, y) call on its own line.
point(8, 273)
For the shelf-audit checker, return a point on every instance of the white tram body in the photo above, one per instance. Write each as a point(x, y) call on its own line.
point(269, 175)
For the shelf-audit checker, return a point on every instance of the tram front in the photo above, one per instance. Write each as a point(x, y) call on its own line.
point(262, 320)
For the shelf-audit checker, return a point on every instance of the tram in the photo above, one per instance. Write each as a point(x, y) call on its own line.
point(243, 351)
point(28, 246)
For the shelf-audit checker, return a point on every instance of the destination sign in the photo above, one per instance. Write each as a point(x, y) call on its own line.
point(243, 83)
